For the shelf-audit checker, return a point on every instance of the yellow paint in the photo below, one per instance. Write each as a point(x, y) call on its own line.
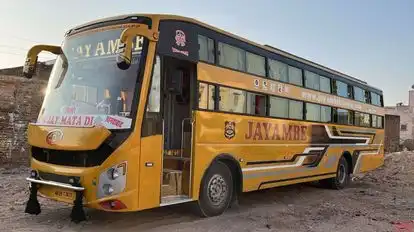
point(143, 183)
point(150, 178)
point(74, 138)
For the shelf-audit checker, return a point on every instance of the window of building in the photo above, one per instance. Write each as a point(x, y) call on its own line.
point(295, 109)
point(232, 57)
point(279, 107)
point(403, 127)
point(325, 84)
point(256, 64)
point(295, 76)
point(256, 104)
point(344, 117)
point(362, 119)
point(232, 100)
point(376, 121)
point(206, 49)
point(376, 99)
point(278, 70)
point(359, 94)
point(312, 80)
point(342, 89)
point(313, 112)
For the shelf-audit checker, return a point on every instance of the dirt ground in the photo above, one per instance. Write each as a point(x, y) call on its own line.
point(382, 200)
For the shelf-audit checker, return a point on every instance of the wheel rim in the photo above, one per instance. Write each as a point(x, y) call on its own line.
point(341, 173)
point(217, 190)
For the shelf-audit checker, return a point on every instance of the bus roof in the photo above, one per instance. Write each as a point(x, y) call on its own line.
point(265, 47)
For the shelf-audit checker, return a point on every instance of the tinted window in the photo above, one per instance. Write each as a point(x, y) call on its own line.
point(232, 100)
point(295, 76)
point(232, 57)
point(326, 114)
point(344, 117)
point(295, 109)
point(278, 70)
point(279, 107)
point(206, 50)
point(313, 112)
point(256, 104)
point(342, 89)
point(375, 99)
point(312, 80)
point(376, 121)
point(256, 64)
point(325, 84)
point(362, 119)
point(154, 98)
point(206, 96)
point(359, 94)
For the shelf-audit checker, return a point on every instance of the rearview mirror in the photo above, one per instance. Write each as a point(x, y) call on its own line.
point(29, 67)
point(124, 57)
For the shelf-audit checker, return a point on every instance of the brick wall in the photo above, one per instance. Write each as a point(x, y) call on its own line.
point(20, 101)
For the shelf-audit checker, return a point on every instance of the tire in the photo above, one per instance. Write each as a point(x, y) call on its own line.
point(342, 178)
point(216, 191)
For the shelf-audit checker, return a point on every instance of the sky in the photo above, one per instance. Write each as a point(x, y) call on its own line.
point(372, 40)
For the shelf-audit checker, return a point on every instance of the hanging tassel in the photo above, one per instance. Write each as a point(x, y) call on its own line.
point(78, 214)
point(32, 205)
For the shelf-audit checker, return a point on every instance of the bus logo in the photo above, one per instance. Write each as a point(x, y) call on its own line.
point(229, 129)
point(180, 38)
point(54, 136)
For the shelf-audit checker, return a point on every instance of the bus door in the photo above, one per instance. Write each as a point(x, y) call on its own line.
point(179, 78)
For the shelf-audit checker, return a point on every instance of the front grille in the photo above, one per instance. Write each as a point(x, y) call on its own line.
point(56, 178)
point(73, 158)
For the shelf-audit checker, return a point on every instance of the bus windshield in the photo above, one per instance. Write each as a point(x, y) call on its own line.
point(86, 88)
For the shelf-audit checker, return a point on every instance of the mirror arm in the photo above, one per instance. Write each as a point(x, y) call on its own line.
point(124, 57)
point(31, 58)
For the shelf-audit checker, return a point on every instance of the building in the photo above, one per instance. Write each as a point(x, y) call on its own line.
point(406, 113)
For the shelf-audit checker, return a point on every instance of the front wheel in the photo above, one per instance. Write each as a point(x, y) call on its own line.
point(342, 178)
point(216, 190)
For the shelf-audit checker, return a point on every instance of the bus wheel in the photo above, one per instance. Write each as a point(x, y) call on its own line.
point(342, 178)
point(216, 190)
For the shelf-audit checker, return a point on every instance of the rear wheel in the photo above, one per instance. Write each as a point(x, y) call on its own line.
point(216, 190)
point(342, 178)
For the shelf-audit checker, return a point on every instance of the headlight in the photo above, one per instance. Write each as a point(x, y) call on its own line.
point(113, 173)
point(107, 189)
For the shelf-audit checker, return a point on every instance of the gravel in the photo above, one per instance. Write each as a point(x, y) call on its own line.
point(382, 200)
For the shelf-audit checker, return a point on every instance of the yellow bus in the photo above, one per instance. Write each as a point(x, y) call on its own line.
point(149, 110)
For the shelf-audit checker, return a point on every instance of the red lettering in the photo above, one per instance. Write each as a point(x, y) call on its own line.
point(267, 127)
point(65, 120)
point(276, 135)
point(258, 133)
point(287, 132)
point(297, 132)
point(78, 123)
point(303, 130)
point(250, 131)
point(114, 121)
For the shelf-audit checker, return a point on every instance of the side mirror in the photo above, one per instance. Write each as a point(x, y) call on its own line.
point(124, 57)
point(29, 67)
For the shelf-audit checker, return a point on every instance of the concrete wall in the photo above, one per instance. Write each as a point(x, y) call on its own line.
point(20, 102)
point(392, 133)
point(406, 118)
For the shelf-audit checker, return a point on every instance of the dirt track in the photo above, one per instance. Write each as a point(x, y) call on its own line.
point(374, 202)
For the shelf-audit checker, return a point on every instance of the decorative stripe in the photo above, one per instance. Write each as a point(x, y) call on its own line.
point(346, 138)
point(284, 145)
point(364, 153)
point(297, 164)
point(295, 178)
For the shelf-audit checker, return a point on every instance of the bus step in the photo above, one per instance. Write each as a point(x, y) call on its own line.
point(172, 200)
point(171, 182)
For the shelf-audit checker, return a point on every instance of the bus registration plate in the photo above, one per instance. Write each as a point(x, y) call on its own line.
point(64, 194)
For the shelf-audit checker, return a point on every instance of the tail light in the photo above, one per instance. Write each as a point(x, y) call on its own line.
point(113, 205)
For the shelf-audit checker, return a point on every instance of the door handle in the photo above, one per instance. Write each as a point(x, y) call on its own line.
point(149, 164)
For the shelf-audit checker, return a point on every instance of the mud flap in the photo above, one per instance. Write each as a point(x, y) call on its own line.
point(78, 214)
point(32, 205)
